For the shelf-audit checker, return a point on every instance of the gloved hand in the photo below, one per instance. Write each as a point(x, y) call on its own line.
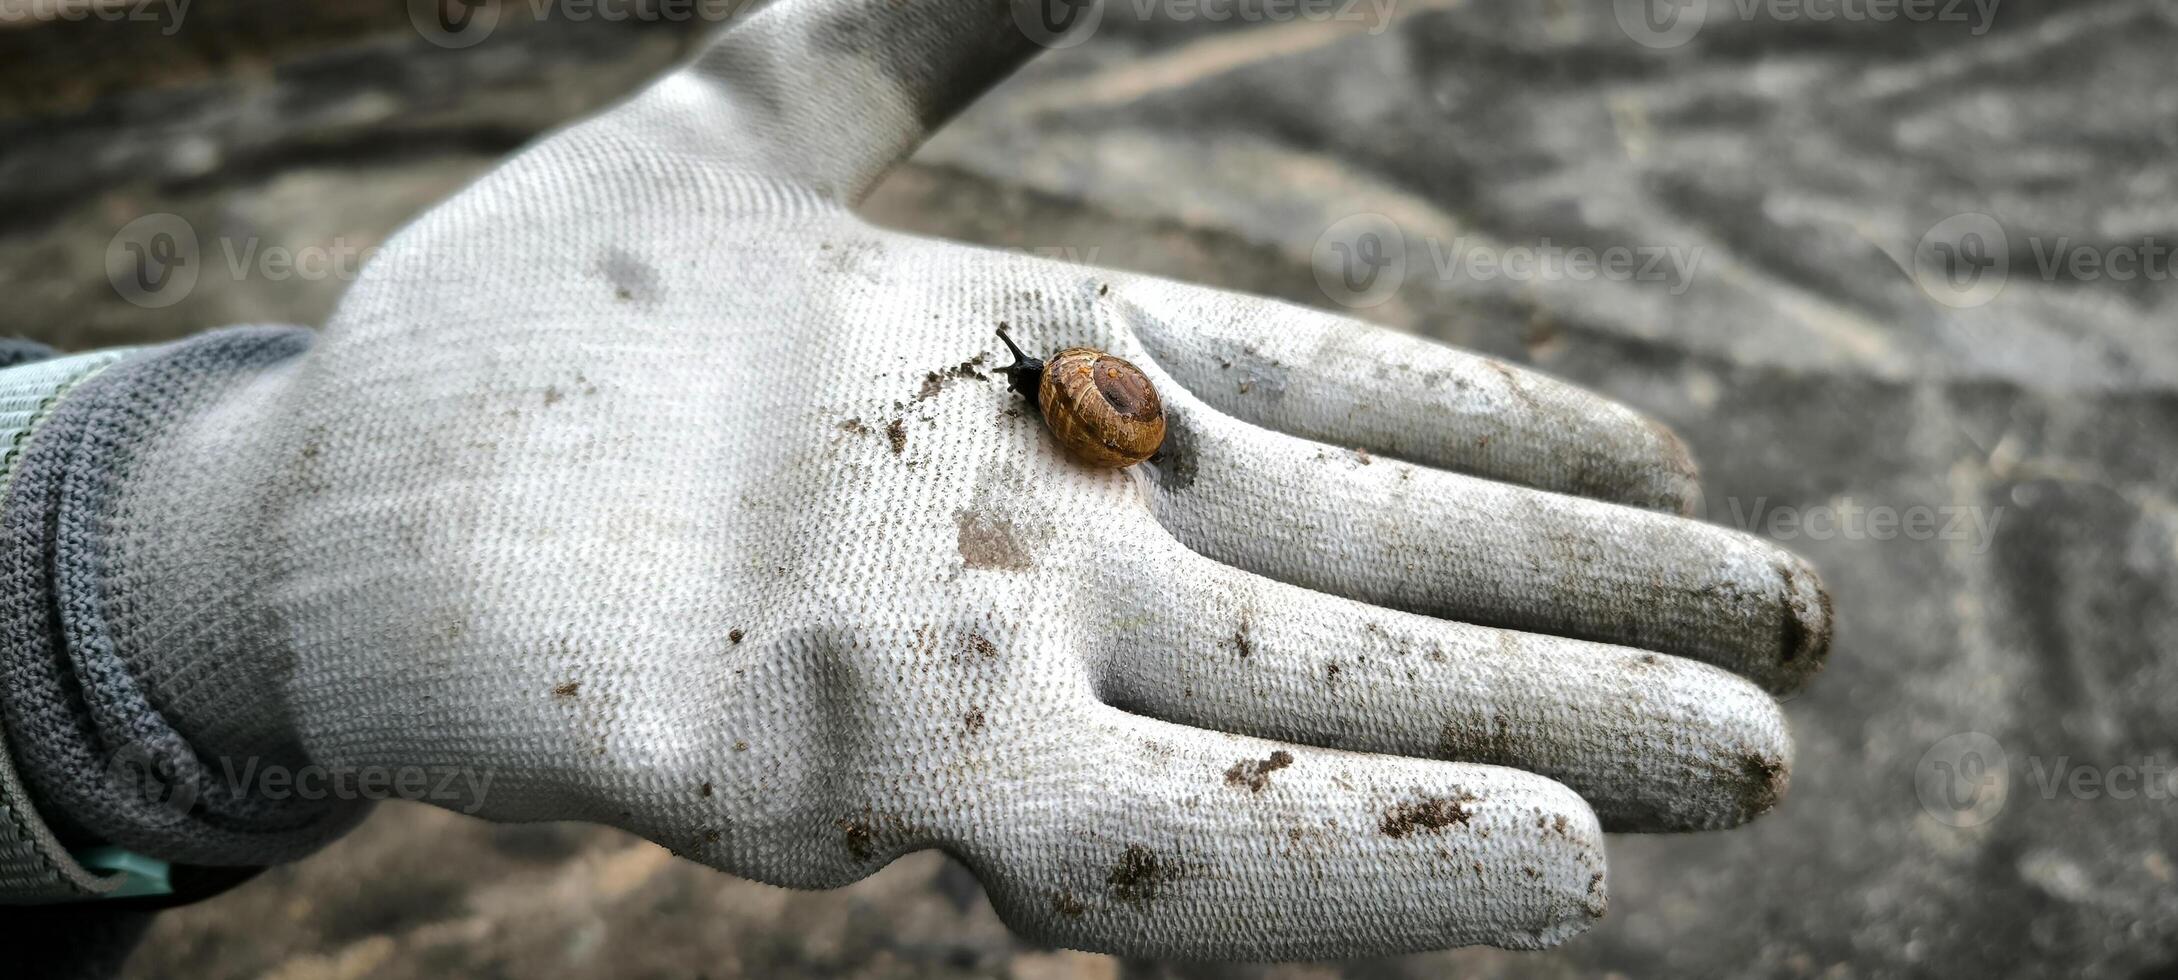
point(646, 478)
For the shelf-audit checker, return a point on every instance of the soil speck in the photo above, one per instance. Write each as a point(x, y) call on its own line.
point(1485, 740)
point(860, 838)
point(1253, 775)
point(1430, 813)
point(935, 381)
point(1765, 780)
point(1139, 875)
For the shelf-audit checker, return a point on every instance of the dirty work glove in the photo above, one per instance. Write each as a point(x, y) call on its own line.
point(646, 482)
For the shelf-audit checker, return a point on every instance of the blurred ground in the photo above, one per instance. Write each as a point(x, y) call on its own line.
point(1800, 359)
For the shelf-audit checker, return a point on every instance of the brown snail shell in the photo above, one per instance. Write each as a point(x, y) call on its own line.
point(1103, 410)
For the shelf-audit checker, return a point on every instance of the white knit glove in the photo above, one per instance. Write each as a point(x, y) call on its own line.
point(647, 479)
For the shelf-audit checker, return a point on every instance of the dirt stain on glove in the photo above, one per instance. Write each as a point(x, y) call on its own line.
point(1253, 774)
point(632, 279)
point(935, 381)
point(1430, 813)
point(859, 838)
point(862, 832)
point(1806, 626)
point(1485, 740)
point(1240, 640)
point(1140, 875)
point(987, 541)
point(1764, 780)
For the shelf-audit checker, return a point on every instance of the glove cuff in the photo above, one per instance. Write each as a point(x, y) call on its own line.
point(34, 865)
point(133, 718)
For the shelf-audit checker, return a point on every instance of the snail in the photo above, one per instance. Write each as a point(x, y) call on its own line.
point(1104, 410)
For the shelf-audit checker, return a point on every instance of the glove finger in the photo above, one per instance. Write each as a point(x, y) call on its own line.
point(1152, 846)
point(829, 94)
point(1458, 547)
point(1652, 742)
point(1336, 380)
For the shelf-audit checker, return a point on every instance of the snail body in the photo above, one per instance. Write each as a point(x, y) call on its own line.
point(1103, 410)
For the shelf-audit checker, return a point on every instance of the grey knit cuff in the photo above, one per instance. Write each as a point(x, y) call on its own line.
point(34, 865)
point(100, 759)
